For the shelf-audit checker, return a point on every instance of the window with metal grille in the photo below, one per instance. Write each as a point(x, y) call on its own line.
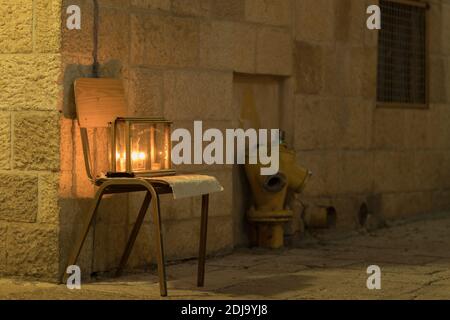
point(402, 54)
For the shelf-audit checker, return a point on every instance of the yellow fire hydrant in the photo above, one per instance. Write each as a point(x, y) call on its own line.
point(268, 213)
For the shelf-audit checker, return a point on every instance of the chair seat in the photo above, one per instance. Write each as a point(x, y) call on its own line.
point(181, 186)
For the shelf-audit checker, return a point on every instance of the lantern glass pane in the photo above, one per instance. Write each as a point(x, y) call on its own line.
point(121, 150)
point(149, 142)
point(148, 147)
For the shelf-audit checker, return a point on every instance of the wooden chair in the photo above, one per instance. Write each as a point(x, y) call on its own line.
point(98, 103)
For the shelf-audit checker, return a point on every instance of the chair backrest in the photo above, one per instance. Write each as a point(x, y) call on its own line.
point(99, 101)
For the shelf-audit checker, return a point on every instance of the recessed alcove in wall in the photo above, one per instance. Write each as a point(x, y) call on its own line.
point(267, 93)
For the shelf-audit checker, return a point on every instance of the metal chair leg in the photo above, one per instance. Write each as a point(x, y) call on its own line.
point(203, 235)
point(159, 247)
point(134, 233)
point(81, 239)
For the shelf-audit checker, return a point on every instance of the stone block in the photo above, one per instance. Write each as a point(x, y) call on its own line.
point(326, 169)
point(113, 210)
point(5, 140)
point(370, 36)
point(400, 205)
point(47, 25)
point(3, 249)
point(33, 250)
point(394, 171)
point(438, 78)
point(329, 123)
point(273, 12)
point(441, 201)
point(228, 45)
point(308, 66)
point(171, 209)
point(164, 41)
point(18, 197)
point(229, 10)
point(66, 144)
point(73, 67)
point(389, 128)
point(446, 80)
point(16, 29)
point(439, 131)
point(109, 244)
point(417, 129)
point(344, 72)
point(78, 42)
point(350, 21)
point(274, 53)
point(151, 4)
point(356, 173)
point(181, 238)
point(194, 95)
point(123, 4)
point(178, 209)
point(36, 141)
point(144, 251)
point(445, 28)
point(220, 235)
point(135, 200)
point(337, 173)
point(369, 75)
point(29, 81)
point(65, 184)
point(429, 169)
point(48, 209)
point(314, 20)
point(444, 180)
point(195, 8)
point(435, 28)
point(146, 92)
point(113, 35)
point(68, 234)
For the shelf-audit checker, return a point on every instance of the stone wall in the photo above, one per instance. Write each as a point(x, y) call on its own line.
point(185, 60)
point(394, 160)
point(29, 137)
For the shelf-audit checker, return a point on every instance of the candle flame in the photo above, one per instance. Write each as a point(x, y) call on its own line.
point(137, 156)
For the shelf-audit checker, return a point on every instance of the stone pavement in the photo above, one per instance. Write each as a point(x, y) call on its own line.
point(414, 257)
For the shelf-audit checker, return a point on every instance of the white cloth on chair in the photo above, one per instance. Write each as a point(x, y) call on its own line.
point(190, 185)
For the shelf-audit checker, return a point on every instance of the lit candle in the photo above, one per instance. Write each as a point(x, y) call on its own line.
point(138, 159)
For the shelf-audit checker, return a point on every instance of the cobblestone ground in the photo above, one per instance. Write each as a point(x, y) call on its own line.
point(414, 257)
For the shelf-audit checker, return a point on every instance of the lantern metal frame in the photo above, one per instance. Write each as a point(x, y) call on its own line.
point(129, 121)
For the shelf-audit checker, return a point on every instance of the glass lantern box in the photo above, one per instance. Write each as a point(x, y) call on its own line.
point(141, 146)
